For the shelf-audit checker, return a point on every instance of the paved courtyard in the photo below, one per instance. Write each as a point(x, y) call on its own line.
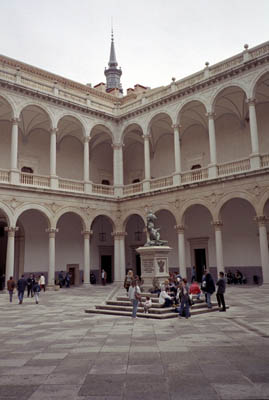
point(54, 350)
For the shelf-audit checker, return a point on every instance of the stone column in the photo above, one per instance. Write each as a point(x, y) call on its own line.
point(87, 184)
point(118, 168)
point(255, 161)
point(14, 172)
point(51, 275)
point(86, 272)
point(146, 185)
point(263, 247)
point(181, 250)
point(219, 249)
point(119, 255)
point(177, 150)
point(11, 231)
point(53, 175)
point(212, 168)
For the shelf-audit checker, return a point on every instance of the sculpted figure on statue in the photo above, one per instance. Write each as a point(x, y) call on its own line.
point(153, 234)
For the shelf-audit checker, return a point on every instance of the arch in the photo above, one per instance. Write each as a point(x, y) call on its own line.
point(107, 130)
point(165, 207)
point(254, 83)
point(129, 214)
point(76, 117)
point(8, 214)
point(262, 203)
point(125, 130)
point(235, 195)
point(187, 101)
point(27, 207)
point(10, 103)
point(194, 202)
point(41, 107)
point(216, 94)
point(151, 118)
point(73, 210)
point(103, 214)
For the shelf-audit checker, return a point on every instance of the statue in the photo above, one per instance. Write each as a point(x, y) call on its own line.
point(153, 234)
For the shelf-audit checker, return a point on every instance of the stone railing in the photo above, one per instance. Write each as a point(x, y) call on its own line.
point(42, 87)
point(194, 175)
point(103, 189)
point(9, 76)
point(34, 180)
point(159, 183)
point(234, 167)
point(259, 50)
point(265, 160)
point(71, 185)
point(4, 175)
point(133, 188)
point(72, 97)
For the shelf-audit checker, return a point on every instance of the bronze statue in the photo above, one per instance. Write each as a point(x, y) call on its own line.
point(153, 234)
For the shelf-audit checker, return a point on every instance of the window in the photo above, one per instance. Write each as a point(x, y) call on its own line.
point(105, 182)
point(29, 170)
point(137, 180)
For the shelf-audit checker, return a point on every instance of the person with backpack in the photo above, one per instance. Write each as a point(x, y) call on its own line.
point(36, 291)
point(208, 287)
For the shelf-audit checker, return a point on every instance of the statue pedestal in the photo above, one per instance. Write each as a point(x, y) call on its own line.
point(154, 264)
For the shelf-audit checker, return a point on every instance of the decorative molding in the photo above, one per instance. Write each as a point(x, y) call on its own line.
point(11, 230)
point(118, 234)
point(179, 228)
point(261, 220)
point(217, 225)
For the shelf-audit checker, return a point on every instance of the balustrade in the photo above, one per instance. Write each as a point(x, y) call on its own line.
point(71, 185)
point(103, 189)
point(133, 188)
point(265, 160)
point(4, 175)
point(34, 180)
point(161, 182)
point(194, 175)
point(234, 167)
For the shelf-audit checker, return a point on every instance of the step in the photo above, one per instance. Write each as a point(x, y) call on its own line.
point(129, 308)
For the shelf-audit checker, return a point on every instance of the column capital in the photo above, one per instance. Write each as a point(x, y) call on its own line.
point(176, 126)
point(87, 234)
point(53, 131)
point(210, 115)
point(86, 139)
point(118, 234)
point(179, 228)
point(217, 225)
point(117, 146)
point(52, 232)
point(15, 120)
point(11, 230)
point(146, 137)
point(251, 101)
point(261, 220)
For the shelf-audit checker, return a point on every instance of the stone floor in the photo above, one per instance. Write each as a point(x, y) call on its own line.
point(54, 350)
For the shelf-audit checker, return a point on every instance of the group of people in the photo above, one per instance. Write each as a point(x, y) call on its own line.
point(64, 279)
point(235, 278)
point(176, 292)
point(34, 286)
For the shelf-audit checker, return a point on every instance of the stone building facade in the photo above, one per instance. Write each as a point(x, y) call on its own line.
point(80, 167)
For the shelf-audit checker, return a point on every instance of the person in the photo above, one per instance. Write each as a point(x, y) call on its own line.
point(185, 302)
point(195, 289)
point(103, 276)
point(10, 287)
point(21, 285)
point(134, 294)
point(36, 291)
point(193, 274)
point(238, 277)
point(230, 277)
point(209, 287)
point(155, 286)
point(128, 280)
point(61, 279)
point(67, 280)
point(42, 282)
point(30, 281)
point(220, 291)
point(164, 299)
point(147, 304)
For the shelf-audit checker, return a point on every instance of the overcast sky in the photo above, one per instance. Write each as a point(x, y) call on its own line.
point(155, 40)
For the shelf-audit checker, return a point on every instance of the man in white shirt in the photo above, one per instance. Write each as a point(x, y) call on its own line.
point(164, 299)
point(134, 294)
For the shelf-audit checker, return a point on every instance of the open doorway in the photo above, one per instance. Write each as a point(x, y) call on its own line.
point(106, 264)
point(200, 263)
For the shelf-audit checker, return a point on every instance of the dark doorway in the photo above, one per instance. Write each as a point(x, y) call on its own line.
point(71, 271)
point(3, 255)
point(138, 265)
point(106, 264)
point(200, 262)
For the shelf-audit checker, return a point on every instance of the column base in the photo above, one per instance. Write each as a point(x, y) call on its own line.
point(52, 288)
point(176, 179)
point(255, 161)
point(118, 191)
point(87, 187)
point(212, 171)
point(146, 185)
point(54, 182)
point(14, 176)
point(86, 284)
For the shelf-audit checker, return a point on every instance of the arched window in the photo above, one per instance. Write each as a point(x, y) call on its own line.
point(105, 182)
point(137, 180)
point(26, 176)
point(29, 170)
point(196, 166)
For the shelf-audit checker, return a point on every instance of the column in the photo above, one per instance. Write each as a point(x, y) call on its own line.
point(146, 185)
point(181, 250)
point(53, 175)
point(51, 275)
point(255, 161)
point(219, 249)
point(14, 172)
point(11, 231)
point(86, 273)
point(177, 150)
point(87, 184)
point(263, 247)
point(118, 168)
point(119, 256)
point(212, 168)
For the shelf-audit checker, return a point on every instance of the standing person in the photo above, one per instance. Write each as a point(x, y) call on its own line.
point(36, 290)
point(103, 277)
point(184, 303)
point(42, 282)
point(128, 280)
point(193, 274)
point(61, 279)
point(67, 280)
point(209, 287)
point(21, 285)
point(30, 282)
point(10, 287)
point(220, 292)
point(134, 294)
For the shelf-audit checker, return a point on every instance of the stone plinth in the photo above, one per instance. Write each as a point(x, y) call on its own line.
point(154, 264)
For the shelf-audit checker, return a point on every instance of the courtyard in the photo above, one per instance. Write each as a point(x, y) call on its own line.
point(55, 350)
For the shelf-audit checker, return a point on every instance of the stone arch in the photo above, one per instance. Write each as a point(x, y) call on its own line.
point(7, 213)
point(76, 117)
point(194, 202)
point(107, 130)
point(11, 103)
point(235, 195)
point(129, 214)
point(103, 214)
point(79, 213)
point(41, 107)
point(187, 101)
point(262, 203)
point(253, 86)
point(154, 115)
point(165, 207)
point(43, 210)
point(227, 85)
point(125, 130)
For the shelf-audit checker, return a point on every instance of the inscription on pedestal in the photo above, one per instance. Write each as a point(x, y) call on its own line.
point(148, 266)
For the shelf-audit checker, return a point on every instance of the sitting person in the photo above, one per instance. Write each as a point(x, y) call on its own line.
point(238, 277)
point(164, 299)
point(230, 277)
point(155, 286)
point(147, 305)
point(195, 289)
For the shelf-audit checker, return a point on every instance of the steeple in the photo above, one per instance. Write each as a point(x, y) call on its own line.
point(113, 73)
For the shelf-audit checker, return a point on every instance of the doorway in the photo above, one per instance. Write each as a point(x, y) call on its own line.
point(106, 264)
point(200, 263)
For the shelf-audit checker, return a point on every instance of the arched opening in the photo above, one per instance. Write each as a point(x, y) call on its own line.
point(69, 249)
point(5, 133)
point(105, 182)
point(194, 136)
point(3, 249)
point(102, 248)
point(240, 239)
point(166, 222)
point(136, 237)
point(133, 154)
point(262, 112)
point(101, 155)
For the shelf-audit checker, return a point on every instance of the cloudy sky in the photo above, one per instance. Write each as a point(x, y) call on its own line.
point(155, 39)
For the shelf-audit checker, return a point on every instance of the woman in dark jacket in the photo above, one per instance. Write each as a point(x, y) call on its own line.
point(209, 288)
point(220, 292)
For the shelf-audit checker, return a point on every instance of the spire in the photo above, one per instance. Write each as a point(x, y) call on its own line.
point(112, 59)
point(113, 73)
